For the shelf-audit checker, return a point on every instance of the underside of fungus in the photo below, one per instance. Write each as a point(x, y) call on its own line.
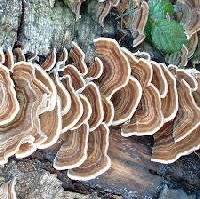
point(73, 104)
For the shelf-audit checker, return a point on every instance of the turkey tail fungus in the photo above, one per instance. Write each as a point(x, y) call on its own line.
point(78, 103)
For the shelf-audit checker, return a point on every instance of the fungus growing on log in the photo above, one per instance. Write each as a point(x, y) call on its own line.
point(116, 66)
point(169, 104)
point(141, 69)
point(126, 100)
point(188, 78)
point(53, 127)
point(9, 59)
point(34, 99)
point(95, 70)
point(87, 112)
point(9, 104)
point(166, 150)
point(92, 93)
point(159, 80)
point(77, 80)
point(50, 61)
point(78, 58)
point(188, 115)
point(73, 106)
point(170, 145)
point(73, 151)
point(108, 111)
point(98, 161)
point(63, 94)
point(148, 117)
point(76, 110)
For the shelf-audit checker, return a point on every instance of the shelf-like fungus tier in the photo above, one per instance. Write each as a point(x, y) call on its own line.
point(73, 104)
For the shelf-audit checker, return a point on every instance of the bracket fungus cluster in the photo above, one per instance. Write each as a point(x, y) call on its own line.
point(77, 103)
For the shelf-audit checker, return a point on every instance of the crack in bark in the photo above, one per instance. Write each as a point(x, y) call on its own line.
point(20, 30)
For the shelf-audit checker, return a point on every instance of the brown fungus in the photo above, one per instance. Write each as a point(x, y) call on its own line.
point(98, 161)
point(73, 151)
point(9, 104)
point(92, 93)
point(75, 112)
point(125, 101)
point(188, 115)
point(159, 80)
point(134, 16)
point(50, 61)
point(87, 112)
point(77, 79)
point(72, 106)
point(9, 59)
point(24, 131)
point(108, 111)
point(138, 23)
point(116, 66)
point(78, 58)
point(166, 150)
point(63, 94)
point(169, 104)
point(95, 70)
point(148, 117)
point(141, 69)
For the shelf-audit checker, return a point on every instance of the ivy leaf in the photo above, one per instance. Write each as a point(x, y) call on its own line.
point(148, 29)
point(160, 9)
point(168, 36)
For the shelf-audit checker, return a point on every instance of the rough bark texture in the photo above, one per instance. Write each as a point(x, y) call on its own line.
point(10, 15)
point(37, 27)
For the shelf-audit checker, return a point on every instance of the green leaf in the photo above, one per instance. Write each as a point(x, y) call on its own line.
point(160, 9)
point(148, 29)
point(168, 36)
